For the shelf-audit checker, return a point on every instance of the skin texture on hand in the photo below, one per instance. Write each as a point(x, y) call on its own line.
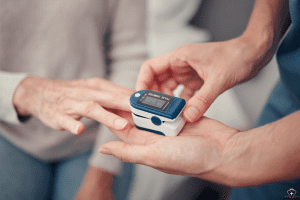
point(210, 68)
point(197, 150)
point(61, 104)
point(96, 185)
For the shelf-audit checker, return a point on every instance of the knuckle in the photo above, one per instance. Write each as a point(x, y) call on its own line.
point(62, 124)
point(90, 106)
point(80, 90)
point(205, 99)
point(109, 118)
point(116, 97)
point(79, 82)
point(181, 57)
point(147, 63)
point(125, 158)
point(95, 80)
point(64, 104)
point(60, 129)
point(59, 126)
point(185, 49)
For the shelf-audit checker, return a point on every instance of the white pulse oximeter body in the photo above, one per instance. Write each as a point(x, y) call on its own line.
point(156, 112)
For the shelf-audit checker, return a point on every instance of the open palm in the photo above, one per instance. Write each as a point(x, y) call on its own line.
point(197, 149)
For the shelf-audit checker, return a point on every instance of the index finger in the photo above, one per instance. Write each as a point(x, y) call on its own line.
point(152, 68)
point(107, 99)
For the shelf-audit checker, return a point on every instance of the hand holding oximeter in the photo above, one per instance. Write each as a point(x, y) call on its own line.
point(156, 112)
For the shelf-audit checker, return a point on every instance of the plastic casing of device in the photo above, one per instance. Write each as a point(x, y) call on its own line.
point(171, 118)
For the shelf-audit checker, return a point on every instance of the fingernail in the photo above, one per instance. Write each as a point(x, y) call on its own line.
point(105, 151)
point(77, 127)
point(191, 114)
point(120, 123)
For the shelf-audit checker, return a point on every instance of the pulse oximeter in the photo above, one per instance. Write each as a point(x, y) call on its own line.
point(156, 112)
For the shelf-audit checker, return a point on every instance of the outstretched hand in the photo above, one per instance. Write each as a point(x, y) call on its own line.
point(199, 148)
point(61, 104)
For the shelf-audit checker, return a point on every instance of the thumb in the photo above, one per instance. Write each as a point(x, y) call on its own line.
point(126, 152)
point(145, 78)
point(201, 101)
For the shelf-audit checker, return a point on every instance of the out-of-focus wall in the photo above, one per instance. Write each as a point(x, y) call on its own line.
point(225, 19)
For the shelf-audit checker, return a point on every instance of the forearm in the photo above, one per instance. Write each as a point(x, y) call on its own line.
point(267, 19)
point(96, 185)
point(267, 154)
point(264, 29)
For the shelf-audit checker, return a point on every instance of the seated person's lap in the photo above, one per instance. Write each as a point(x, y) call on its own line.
point(22, 176)
point(25, 177)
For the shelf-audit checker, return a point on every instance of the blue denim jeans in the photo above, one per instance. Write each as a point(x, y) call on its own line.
point(25, 177)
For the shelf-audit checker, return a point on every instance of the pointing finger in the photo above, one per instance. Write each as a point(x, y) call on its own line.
point(93, 110)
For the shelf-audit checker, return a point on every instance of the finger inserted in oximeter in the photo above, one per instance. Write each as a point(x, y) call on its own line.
point(156, 112)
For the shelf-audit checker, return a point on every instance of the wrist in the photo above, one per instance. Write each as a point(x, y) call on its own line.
point(255, 52)
point(235, 164)
point(19, 99)
point(243, 162)
point(264, 27)
point(263, 44)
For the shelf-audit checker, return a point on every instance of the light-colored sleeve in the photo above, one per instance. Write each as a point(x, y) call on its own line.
point(128, 52)
point(128, 42)
point(8, 84)
point(106, 162)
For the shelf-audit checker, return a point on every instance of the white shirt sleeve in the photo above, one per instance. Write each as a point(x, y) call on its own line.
point(128, 42)
point(127, 53)
point(8, 84)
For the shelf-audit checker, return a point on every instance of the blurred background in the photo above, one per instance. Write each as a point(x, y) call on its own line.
point(173, 23)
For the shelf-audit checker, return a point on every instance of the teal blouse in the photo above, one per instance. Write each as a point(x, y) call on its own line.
point(288, 55)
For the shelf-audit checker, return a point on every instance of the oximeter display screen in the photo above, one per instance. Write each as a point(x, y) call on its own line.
point(156, 100)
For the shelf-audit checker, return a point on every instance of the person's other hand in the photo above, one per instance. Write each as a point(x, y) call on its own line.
point(211, 68)
point(96, 185)
point(199, 149)
point(61, 104)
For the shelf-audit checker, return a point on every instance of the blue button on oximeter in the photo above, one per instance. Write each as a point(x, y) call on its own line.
point(156, 112)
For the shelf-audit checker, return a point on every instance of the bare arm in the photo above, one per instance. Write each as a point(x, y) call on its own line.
point(265, 27)
point(270, 153)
